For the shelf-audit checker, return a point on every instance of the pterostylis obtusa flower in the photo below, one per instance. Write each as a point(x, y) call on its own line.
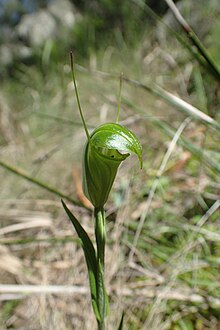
point(106, 148)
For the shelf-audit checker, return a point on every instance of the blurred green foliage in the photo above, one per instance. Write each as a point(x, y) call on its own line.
point(106, 23)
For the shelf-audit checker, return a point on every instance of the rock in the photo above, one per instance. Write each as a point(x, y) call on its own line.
point(6, 56)
point(34, 29)
point(37, 27)
point(13, 51)
point(64, 12)
point(7, 33)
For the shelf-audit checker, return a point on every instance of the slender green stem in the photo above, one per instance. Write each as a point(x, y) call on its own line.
point(101, 325)
point(100, 234)
point(99, 214)
point(77, 96)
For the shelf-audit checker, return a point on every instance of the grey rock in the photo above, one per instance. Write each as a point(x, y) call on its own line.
point(11, 51)
point(36, 28)
point(7, 33)
point(6, 56)
point(64, 12)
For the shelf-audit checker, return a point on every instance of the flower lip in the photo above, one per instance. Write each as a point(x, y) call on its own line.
point(112, 154)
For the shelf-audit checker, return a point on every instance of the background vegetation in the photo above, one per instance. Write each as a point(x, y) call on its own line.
point(163, 249)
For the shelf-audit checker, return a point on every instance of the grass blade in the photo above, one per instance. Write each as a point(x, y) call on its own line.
point(168, 130)
point(39, 183)
point(121, 322)
point(198, 52)
point(194, 39)
point(176, 102)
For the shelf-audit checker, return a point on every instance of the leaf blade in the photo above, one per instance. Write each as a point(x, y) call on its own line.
point(121, 322)
point(90, 255)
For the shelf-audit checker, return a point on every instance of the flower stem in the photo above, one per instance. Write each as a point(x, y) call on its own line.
point(100, 234)
point(101, 325)
point(102, 300)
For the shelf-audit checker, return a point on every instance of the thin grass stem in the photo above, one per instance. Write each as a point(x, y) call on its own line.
point(184, 142)
point(39, 183)
point(168, 97)
point(194, 38)
point(60, 119)
point(160, 172)
point(119, 98)
point(175, 101)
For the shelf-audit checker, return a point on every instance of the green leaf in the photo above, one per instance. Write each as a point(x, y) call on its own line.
point(90, 256)
point(96, 310)
point(121, 322)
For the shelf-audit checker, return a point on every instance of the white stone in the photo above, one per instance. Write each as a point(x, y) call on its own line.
point(63, 11)
point(36, 28)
